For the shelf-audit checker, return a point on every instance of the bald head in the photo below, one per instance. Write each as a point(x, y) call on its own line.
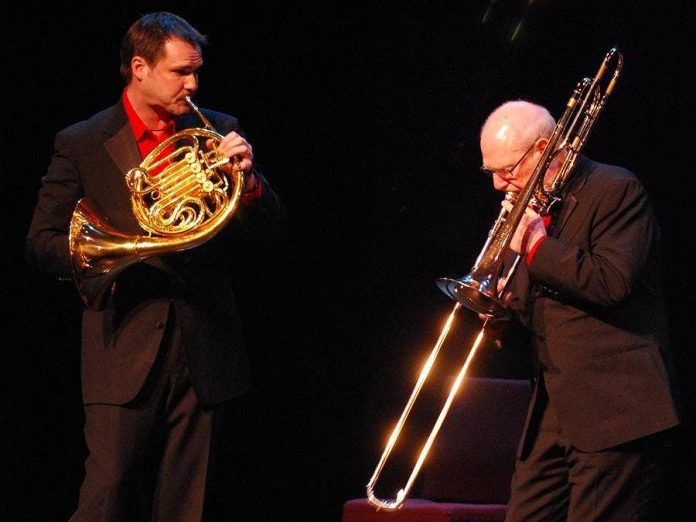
point(515, 125)
point(512, 140)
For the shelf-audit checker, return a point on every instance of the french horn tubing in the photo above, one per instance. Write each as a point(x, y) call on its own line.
point(180, 196)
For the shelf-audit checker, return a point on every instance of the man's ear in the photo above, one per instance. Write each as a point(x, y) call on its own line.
point(139, 67)
point(541, 144)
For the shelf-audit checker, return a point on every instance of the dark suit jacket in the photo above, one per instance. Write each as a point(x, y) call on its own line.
point(592, 297)
point(192, 289)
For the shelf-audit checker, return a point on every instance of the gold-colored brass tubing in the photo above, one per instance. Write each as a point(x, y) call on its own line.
point(99, 252)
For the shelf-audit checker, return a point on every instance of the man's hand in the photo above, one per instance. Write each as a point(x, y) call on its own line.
point(241, 157)
point(530, 230)
point(238, 150)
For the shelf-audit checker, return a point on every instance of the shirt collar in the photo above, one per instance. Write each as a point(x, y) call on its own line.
point(140, 130)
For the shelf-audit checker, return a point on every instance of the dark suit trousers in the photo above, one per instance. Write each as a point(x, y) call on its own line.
point(554, 481)
point(148, 459)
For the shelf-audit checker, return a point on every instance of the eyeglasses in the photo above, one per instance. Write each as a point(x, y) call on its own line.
point(506, 172)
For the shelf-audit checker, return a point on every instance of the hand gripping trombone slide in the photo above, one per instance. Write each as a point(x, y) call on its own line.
point(482, 289)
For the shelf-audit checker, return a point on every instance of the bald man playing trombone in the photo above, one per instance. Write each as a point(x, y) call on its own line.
point(603, 417)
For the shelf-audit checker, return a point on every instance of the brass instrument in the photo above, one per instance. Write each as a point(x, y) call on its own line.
point(180, 197)
point(481, 290)
point(478, 290)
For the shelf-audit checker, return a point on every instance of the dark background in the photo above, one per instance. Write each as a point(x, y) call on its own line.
point(365, 117)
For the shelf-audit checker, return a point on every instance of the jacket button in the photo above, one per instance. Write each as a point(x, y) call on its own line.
point(160, 325)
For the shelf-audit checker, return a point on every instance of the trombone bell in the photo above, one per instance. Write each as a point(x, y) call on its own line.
point(479, 295)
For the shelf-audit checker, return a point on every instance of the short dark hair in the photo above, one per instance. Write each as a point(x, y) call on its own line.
point(148, 35)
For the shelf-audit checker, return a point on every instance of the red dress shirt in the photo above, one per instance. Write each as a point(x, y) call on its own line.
point(530, 255)
point(144, 137)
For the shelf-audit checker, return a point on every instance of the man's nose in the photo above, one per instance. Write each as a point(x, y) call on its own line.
point(191, 82)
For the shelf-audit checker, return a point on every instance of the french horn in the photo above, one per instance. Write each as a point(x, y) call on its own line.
point(180, 195)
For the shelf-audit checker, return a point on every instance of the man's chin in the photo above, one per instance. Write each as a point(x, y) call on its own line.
point(179, 108)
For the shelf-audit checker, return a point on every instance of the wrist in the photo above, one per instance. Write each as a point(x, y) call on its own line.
point(534, 246)
point(253, 186)
point(250, 182)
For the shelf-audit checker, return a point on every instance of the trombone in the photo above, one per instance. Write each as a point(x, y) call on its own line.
point(482, 289)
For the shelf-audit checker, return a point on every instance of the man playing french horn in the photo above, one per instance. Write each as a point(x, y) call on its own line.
point(162, 344)
point(603, 415)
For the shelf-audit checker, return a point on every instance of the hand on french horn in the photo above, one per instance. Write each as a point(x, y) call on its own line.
point(530, 230)
point(237, 149)
point(241, 155)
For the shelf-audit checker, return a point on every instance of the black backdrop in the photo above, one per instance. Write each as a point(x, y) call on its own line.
point(365, 118)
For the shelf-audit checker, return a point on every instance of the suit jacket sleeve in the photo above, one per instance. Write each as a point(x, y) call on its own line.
point(47, 238)
point(619, 232)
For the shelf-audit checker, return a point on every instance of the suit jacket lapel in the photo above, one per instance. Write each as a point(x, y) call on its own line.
point(123, 149)
point(570, 202)
point(120, 143)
